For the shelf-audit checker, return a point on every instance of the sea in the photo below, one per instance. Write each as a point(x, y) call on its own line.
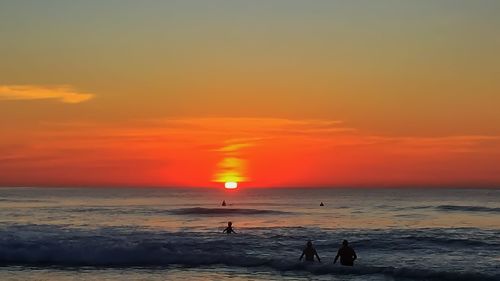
point(176, 233)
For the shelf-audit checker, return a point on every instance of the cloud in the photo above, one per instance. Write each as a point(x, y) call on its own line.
point(232, 136)
point(235, 147)
point(237, 137)
point(258, 126)
point(263, 151)
point(62, 93)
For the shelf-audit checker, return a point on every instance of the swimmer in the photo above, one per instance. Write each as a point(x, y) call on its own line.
point(229, 229)
point(347, 254)
point(309, 251)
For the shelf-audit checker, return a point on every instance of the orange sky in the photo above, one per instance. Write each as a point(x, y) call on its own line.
point(268, 93)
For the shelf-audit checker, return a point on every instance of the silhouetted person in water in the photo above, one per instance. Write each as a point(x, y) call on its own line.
point(223, 202)
point(322, 204)
point(309, 252)
point(229, 229)
point(347, 254)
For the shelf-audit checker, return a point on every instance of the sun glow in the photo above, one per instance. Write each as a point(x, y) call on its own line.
point(231, 185)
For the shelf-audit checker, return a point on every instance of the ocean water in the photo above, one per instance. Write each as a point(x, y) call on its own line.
point(175, 234)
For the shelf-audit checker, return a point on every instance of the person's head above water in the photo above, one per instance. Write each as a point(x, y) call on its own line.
point(345, 243)
point(229, 223)
point(309, 243)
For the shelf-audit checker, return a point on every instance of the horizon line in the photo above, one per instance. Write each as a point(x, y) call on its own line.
point(405, 186)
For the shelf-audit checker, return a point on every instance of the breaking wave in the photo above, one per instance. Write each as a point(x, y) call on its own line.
point(153, 256)
point(275, 248)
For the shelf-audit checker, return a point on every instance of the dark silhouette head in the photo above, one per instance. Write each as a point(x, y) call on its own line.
point(345, 243)
point(229, 224)
point(309, 244)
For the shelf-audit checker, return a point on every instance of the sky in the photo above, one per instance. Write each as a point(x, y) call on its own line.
point(265, 93)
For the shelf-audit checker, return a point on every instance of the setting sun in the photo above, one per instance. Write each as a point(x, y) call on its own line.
point(231, 185)
point(250, 140)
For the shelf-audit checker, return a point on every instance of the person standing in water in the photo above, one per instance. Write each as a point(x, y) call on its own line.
point(229, 229)
point(309, 252)
point(347, 254)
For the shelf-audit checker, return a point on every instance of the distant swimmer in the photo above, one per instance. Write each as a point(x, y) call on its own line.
point(322, 204)
point(223, 203)
point(347, 254)
point(309, 252)
point(229, 229)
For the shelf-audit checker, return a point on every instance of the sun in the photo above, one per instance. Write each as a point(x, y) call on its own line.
point(231, 185)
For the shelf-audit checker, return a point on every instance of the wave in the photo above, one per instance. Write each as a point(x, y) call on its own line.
point(224, 211)
point(468, 208)
point(152, 256)
point(144, 210)
point(21, 200)
point(276, 248)
point(420, 242)
point(445, 208)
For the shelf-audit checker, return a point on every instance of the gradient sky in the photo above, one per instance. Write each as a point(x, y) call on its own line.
point(268, 93)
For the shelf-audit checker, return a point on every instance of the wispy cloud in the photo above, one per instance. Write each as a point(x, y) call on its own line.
point(259, 126)
point(62, 93)
point(264, 151)
point(232, 135)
